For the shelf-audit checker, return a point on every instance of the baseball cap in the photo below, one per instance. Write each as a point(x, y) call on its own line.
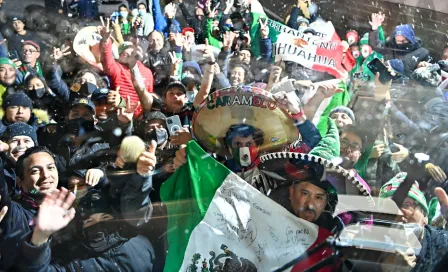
point(99, 94)
point(187, 29)
point(33, 44)
point(83, 101)
point(175, 84)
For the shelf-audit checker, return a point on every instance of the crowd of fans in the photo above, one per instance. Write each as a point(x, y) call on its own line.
point(64, 120)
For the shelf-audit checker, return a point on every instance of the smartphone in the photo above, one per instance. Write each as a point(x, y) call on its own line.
point(377, 66)
point(13, 55)
point(174, 125)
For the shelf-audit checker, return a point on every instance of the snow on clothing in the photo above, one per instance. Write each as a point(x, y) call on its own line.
point(120, 75)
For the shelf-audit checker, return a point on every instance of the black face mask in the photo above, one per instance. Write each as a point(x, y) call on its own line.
point(158, 135)
point(36, 94)
point(404, 46)
point(87, 88)
point(79, 127)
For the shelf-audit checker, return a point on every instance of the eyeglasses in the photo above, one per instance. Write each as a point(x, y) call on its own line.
point(346, 144)
point(29, 51)
point(409, 206)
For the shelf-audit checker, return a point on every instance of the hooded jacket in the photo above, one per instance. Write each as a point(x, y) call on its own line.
point(390, 49)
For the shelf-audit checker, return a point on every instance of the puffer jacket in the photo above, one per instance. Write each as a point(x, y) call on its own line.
point(120, 75)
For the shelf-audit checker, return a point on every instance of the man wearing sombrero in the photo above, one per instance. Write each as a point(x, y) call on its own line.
point(242, 142)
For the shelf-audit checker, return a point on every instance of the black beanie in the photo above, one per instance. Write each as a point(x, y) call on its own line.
point(95, 201)
point(17, 99)
point(20, 129)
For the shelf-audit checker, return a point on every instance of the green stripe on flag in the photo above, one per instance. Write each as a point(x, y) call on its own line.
point(187, 195)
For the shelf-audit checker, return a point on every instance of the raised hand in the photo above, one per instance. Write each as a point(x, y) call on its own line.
point(288, 102)
point(435, 172)
point(264, 29)
point(125, 115)
point(228, 38)
point(170, 10)
point(377, 151)
point(382, 91)
point(147, 160)
point(59, 54)
point(181, 157)
point(104, 29)
point(276, 72)
point(178, 39)
point(93, 176)
point(377, 20)
point(328, 88)
point(229, 5)
point(175, 63)
point(54, 214)
point(442, 197)
point(208, 53)
point(182, 137)
point(211, 12)
point(114, 98)
point(401, 155)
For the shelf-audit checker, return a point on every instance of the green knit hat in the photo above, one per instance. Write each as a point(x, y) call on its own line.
point(7, 61)
point(364, 40)
point(388, 189)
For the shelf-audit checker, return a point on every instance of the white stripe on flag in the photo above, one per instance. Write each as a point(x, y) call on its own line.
point(245, 222)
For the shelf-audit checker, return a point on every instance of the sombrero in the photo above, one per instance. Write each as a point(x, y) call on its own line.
point(291, 167)
point(87, 45)
point(242, 105)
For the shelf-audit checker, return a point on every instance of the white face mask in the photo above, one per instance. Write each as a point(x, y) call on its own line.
point(366, 51)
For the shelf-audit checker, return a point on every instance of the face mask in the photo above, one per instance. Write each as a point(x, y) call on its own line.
point(79, 127)
point(158, 135)
point(36, 94)
point(141, 12)
point(403, 46)
point(356, 53)
point(87, 88)
point(124, 14)
point(245, 156)
point(366, 51)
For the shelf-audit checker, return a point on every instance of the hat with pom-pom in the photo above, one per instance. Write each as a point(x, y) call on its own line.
point(388, 189)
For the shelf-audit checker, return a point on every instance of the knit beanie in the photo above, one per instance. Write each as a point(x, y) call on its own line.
point(346, 110)
point(17, 99)
point(20, 129)
point(7, 61)
point(388, 189)
point(397, 65)
point(364, 40)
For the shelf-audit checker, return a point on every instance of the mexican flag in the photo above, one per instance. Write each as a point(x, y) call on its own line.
point(322, 52)
point(216, 218)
